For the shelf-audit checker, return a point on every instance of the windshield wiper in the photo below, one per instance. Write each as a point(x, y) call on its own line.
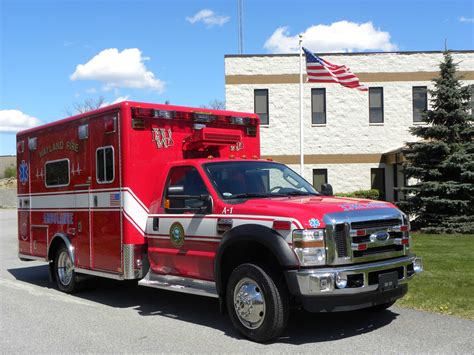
point(250, 195)
point(300, 193)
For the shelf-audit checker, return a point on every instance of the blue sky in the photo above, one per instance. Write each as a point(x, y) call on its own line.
point(173, 50)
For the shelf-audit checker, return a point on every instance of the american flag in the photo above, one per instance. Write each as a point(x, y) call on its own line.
point(321, 71)
point(115, 199)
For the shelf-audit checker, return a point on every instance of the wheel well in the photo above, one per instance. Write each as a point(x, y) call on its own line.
point(244, 252)
point(53, 249)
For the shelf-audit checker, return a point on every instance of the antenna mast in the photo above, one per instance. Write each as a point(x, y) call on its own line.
point(240, 13)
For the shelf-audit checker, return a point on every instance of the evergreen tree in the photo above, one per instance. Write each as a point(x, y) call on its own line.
point(440, 166)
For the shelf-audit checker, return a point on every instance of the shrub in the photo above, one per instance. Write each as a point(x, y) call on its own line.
point(368, 194)
point(10, 172)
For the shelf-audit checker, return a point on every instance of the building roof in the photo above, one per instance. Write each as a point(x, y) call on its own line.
point(344, 53)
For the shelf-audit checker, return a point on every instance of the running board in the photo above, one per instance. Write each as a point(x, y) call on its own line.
point(180, 284)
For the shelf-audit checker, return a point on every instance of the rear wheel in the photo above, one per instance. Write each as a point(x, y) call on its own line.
point(66, 277)
point(257, 301)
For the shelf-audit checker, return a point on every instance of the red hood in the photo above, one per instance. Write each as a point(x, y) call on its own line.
point(310, 211)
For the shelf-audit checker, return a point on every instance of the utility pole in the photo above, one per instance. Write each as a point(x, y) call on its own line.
point(240, 13)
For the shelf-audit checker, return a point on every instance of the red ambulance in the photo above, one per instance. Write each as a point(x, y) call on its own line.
point(179, 198)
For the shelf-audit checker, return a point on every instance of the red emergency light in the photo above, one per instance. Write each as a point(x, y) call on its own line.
point(198, 117)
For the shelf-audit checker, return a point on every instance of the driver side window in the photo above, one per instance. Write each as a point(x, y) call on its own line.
point(192, 184)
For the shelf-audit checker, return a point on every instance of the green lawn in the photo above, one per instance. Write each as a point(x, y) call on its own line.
point(447, 283)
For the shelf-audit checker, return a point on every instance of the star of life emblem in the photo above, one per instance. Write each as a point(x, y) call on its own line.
point(23, 172)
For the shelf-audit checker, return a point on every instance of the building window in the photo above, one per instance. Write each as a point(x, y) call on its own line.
point(420, 102)
point(104, 159)
point(320, 177)
point(318, 106)
point(261, 105)
point(377, 181)
point(375, 105)
point(57, 173)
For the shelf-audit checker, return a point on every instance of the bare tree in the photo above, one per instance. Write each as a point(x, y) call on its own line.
point(215, 105)
point(85, 106)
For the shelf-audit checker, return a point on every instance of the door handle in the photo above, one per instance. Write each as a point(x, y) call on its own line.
point(156, 224)
point(95, 201)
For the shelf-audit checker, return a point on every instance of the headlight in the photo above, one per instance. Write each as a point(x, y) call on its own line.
point(309, 246)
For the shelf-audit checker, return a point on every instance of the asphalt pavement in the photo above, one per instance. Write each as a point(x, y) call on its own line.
point(116, 317)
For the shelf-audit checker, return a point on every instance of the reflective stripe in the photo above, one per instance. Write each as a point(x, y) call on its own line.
point(137, 213)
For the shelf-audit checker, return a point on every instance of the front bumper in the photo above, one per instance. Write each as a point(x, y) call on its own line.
point(321, 289)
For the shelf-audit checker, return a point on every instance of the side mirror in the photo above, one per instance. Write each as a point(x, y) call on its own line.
point(176, 201)
point(206, 205)
point(326, 190)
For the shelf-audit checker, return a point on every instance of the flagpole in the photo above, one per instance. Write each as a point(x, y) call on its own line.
point(301, 107)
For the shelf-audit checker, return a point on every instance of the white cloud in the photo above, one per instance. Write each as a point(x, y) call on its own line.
point(14, 120)
point(91, 91)
point(116, 101)
point(342, 36)
point(466, 19)
point(208, 17)
point(119, 69)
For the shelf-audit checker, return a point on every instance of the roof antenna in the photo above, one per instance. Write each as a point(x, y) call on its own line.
point(240, 13)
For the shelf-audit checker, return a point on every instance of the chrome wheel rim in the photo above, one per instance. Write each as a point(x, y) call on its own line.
point(65, 268)
point(249, 303)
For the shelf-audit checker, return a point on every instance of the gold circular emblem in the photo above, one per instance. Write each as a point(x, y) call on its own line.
point(177, 234)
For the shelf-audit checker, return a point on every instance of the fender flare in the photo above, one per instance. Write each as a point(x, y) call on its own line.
point(63, 237)
point(265, 236)
point(66, 241)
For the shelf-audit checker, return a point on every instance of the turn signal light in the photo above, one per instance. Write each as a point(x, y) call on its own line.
point(282, 225)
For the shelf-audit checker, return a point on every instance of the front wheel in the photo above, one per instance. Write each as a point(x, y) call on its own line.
point(65, 275)
point(257, 302)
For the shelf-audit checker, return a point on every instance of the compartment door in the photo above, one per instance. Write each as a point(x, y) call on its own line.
point(82, 225)
point(39, 238)
point(106, 196)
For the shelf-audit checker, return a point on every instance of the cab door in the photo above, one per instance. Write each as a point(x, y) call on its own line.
point(187, 239)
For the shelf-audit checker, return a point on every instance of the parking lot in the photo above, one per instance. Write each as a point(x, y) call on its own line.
point(116, 317)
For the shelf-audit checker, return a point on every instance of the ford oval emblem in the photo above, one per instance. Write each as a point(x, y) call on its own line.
point(379, 236)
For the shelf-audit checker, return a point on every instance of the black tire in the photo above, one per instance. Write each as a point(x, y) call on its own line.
point(271, 320)
point(65, 275)
point(381, 307)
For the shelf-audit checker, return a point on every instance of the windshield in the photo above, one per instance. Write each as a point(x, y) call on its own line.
point(253, 179)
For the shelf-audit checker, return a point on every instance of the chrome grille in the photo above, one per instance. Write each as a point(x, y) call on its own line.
point(365, 236)
point(377, 250)
point(376, 224)
point(340, 238)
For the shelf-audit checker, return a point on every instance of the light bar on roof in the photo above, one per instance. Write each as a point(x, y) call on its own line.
point(164, 114)
point(239, 120)
point(204, 117)
point(33, 143)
